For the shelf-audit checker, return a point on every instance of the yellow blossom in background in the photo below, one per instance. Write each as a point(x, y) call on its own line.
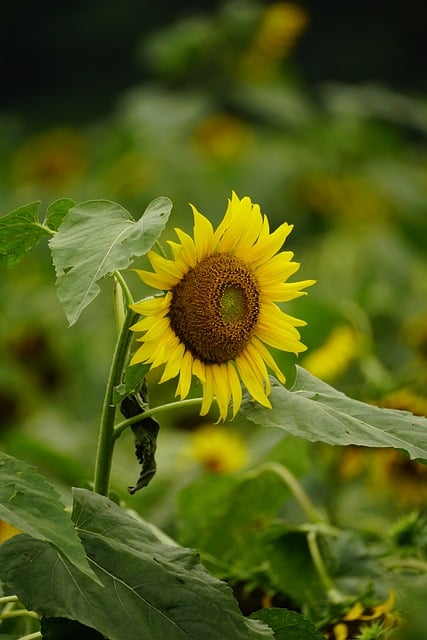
point(129, 174)
point(344, 196)
point(379, 619)
point(392, 473)
point(7, 531)
point(222, 137)
point(217, 449)
point(405, 400)
point(414, 333)
point(52, 160)
point(219, 309)
point(387, 473)
point(333, 358)
point(281, 25)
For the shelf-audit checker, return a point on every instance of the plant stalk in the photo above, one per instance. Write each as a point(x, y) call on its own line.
point(106, 438)
point(170, 406)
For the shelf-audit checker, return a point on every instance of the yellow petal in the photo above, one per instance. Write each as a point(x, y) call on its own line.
point(221, 389)
point(277, 329)
point(251, 379)
point(169, 270)
point(268, 359)
point(267, 247)
point(235, 386)
point(279, 268)
point(188, 253)
point(185, 375)
point(155, 305)
point(208, 391)
point(174, 362)
point(340, 631)
point(203, 235)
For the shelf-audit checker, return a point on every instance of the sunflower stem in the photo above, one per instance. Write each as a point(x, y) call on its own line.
point(296, 489)
point(170, 406)
point(106, 438)
point(333, 594)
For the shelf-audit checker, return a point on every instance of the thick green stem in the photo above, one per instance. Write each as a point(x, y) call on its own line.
point(106, 429)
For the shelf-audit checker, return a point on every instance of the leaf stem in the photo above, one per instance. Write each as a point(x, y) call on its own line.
point(170, 406)
point(19, 613)
point(32, 636)
point(332, 592)
point(106, 437)
point(295, 487)
point(7, 599)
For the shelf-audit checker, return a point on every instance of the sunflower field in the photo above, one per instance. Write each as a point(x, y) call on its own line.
point(213, 354)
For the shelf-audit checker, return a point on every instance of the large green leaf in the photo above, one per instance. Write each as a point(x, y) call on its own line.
point(21, 229)
point(31, 504)
point(313, 410)
point(226, 517)
point(96, 238)
point(151, 589)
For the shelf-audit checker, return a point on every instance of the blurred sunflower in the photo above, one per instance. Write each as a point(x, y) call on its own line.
point(7, 531)
point(219, 309)
point(52, 160)
point(335, 355)
point(281, 25)
point(365, 623)
point(217, 450)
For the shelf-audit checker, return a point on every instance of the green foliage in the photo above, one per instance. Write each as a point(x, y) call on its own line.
point(97, 238)
point(314, 410)
point(347, 166)
point(227, 517)
point(31, 504)
point(152, 588)
point(288, 625)
point(21, 229)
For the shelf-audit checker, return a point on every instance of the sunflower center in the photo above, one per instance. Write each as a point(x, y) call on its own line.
point(215, 308)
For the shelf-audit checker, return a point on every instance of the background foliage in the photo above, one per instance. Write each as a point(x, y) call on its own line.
point(222, 100)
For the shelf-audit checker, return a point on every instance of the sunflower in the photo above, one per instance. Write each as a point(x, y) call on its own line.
point(219, 308)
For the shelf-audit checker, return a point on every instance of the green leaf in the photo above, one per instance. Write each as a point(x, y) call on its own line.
point(151, 589)
point(97, 238)
point(313, 410)
point(258, 630)
point(29, 503)
point(57, 211)
point(226, 518)
point(132, 382)
point(20, 231)
point(288, 625)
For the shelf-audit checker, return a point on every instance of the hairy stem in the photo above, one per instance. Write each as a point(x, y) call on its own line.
point(106, 438)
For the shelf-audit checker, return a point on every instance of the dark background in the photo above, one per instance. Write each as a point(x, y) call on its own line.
point(70, 61)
